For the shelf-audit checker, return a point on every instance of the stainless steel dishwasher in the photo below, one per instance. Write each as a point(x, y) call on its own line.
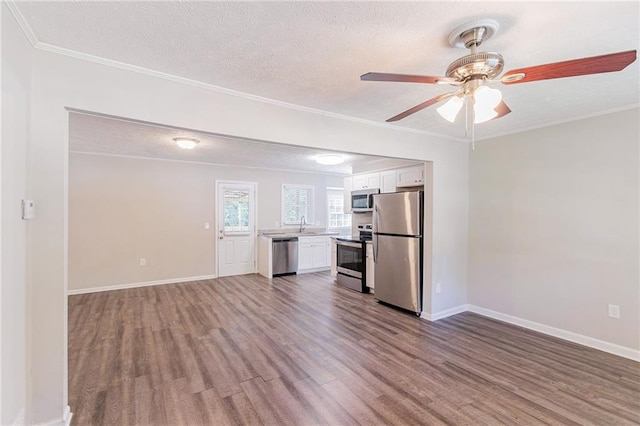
point(284, 256)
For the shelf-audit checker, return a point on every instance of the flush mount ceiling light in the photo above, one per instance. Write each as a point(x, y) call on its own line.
point(329, 159)
point(186, 143)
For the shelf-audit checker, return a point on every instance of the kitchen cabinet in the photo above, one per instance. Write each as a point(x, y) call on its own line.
point(369, 265)
point(314, 254)
point(388, 181)
point(265, 256)
point(366, 181)
point(347, 188)
point(410, 176)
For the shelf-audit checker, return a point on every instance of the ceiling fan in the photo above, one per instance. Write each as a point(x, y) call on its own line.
point(472, 74)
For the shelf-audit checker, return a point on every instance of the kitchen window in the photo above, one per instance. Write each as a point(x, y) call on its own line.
point(337, 218)
point(297, 204)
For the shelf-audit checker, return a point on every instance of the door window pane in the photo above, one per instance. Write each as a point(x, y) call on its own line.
point(236, 210)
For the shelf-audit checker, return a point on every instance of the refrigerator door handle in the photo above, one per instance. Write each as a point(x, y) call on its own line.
point(375, 243)
point(375, 250)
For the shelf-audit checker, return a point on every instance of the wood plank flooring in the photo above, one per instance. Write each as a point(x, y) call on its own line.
point(299, 350)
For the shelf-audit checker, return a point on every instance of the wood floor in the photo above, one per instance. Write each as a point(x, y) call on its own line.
point(299, 350)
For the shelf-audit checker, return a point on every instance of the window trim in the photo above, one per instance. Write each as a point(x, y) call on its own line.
point(333, 191)
point(309, 218)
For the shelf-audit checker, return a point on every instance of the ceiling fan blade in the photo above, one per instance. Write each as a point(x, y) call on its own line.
point(502, 109)
point(404, 78)
point(585, 66)
point(422, 106)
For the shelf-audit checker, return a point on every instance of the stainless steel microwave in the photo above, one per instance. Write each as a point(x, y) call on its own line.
point(362, 200)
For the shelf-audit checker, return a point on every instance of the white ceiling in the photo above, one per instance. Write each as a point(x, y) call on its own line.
point(311, 54)
point(90, 133)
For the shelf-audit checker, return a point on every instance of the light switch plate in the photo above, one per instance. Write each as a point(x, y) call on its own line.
point(28, 209)
point(614, 311)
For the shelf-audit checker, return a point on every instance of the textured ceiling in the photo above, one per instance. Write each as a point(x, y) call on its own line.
point(311, 54)
point(114, 136)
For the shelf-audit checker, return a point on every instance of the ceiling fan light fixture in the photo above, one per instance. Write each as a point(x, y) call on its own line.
point(449, 111)
point(486, 98)
point(483, 115)
point(330, 159)
point(186, 143)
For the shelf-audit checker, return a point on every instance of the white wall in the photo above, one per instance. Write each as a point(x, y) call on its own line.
point(16, 92)
point(553, 234)
point(122, 209)
point(60, 82)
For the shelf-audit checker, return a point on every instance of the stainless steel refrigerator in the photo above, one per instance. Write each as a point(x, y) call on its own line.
point(397, 248)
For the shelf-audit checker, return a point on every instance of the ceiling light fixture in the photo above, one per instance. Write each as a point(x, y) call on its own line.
point(484, 99)
point(450, 109)
point(330, 159)
point(186, 143)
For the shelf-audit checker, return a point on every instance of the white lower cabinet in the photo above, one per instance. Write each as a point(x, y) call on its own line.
point(305, 254)
point(314, 254)
point(370, 266)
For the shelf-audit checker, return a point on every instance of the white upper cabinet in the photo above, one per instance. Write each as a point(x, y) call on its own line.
point(410, 176)
point(388, 181)
point(366, 181)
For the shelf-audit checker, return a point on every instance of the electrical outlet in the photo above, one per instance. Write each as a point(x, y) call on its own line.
point(143, 261)
point(206, 225)
point(438, 288)
point(614, 311)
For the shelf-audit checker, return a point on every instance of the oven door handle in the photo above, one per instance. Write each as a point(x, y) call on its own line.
point(349, 244)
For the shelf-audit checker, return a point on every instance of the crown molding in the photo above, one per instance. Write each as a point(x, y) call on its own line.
point(560, 122)
point(207, 86)
point(26, 28)
point(22, 22)
point(205, 163)
point(29, 33)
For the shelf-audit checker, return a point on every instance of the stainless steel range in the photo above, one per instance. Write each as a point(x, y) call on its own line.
point(351, 259)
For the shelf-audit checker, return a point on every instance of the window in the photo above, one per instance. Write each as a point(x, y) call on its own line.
point(337, 218)
point(297, 203)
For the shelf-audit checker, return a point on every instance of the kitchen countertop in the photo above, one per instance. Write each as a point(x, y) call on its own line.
point(298, 234)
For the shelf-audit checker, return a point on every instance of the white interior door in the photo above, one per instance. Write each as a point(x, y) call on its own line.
point(236, 228)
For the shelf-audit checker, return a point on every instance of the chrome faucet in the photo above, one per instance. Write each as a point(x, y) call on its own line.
point(302, 222)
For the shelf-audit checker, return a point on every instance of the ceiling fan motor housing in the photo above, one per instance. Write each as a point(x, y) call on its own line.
point(476, 65)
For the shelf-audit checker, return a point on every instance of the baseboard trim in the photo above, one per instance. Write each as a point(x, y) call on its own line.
point(312, 270)
point(19, 419)
point(611, 348)
point(68, 415)
point(65, 420)
point(141, 284)
point(446, 313)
